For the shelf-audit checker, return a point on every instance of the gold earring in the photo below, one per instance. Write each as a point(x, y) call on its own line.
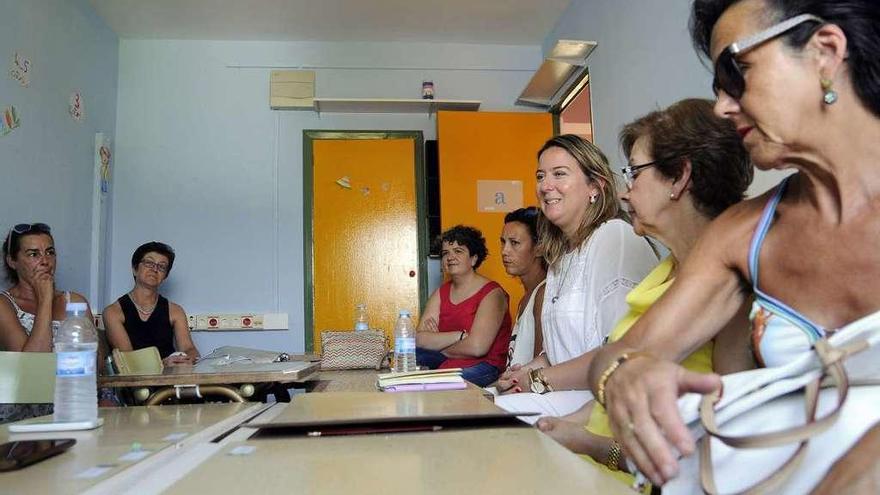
point(829, 95)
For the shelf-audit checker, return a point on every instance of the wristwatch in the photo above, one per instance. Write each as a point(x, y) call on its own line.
point(539, 384)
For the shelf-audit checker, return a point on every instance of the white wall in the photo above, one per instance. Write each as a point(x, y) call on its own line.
point(205, 165)
point(644, 61)
point(46, 164)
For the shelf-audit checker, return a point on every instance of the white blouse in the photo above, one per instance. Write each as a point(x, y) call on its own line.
point(586, 290)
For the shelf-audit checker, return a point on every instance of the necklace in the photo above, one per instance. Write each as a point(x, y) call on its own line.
point(143, 311)
point(564, 277)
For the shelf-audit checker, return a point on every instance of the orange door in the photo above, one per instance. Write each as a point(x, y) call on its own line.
point(488, 146)
point(365, 230)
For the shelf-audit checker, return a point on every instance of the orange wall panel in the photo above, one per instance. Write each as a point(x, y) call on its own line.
point(475, 146)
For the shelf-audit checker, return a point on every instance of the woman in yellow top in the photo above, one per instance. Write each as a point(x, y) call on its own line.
point(685, 167)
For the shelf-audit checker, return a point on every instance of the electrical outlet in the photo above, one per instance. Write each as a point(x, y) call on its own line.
point(238, 321)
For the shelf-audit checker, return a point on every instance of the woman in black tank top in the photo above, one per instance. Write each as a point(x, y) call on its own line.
point(143, 318)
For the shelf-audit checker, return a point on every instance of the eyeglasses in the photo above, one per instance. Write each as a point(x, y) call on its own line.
point(631, 171)
point(152, 265)
point(728, 74)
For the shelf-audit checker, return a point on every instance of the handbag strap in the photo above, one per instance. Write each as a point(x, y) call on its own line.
point(832, 367)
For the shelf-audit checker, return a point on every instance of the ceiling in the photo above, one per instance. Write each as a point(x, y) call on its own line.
point(506, 22)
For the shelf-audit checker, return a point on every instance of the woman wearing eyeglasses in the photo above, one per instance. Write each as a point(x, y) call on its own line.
point(686, 166)
point(595, 259)
point(144, 318)
point(31, 309)
point(800, 80)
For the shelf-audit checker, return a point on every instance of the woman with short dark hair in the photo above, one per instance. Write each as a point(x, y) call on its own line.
point(143, 317)
point(522, 259)
point(466, 323)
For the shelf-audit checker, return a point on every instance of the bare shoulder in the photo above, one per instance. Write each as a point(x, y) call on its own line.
point(113, 310)
point(176, 309)
point(77, 297)
point(731, 233)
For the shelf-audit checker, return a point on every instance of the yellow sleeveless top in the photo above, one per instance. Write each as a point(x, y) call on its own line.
point(639, 300)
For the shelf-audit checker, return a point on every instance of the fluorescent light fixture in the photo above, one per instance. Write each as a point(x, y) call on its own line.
point(562, 74)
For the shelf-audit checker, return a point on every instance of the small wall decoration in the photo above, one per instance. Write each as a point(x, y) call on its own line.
point(9, 120)
point(20, 69)
point(104, 155)
point(499, 195)
point(344, 182)
point(76, 106)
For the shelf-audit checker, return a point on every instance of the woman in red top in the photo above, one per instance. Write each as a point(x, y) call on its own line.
point(466, 323)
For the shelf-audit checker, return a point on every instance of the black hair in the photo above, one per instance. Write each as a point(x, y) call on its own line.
point(12, 244)
point(153, 247)
point(859, 20)
point(528, 217)
point(470, 238)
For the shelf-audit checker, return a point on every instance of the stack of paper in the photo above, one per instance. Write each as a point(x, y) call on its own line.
point(443, 379)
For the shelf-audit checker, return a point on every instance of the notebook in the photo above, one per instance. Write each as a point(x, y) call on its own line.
point(424, 380)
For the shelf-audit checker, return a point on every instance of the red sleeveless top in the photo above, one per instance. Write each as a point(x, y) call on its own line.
point(458, 317)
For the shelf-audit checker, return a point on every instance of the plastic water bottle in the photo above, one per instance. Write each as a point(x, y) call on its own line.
point(76, 345)
point(404, 343)
point(361, 322)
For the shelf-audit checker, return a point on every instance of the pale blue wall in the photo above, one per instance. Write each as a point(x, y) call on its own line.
point(203, 163)
point(644, 61)
point(46, 164)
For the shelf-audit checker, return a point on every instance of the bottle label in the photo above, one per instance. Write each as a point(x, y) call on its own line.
point(80, 363)
point(403, 345)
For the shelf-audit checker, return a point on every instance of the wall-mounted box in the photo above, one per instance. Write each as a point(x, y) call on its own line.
point(292, 89)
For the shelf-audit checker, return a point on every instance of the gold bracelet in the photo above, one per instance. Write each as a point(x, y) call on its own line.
point(600, 385)
point(614, 454)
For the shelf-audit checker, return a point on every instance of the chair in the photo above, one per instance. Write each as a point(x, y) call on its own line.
point(27, 377)
point(146, 361)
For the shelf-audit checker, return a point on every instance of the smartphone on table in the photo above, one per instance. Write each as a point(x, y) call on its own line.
point(16, 455)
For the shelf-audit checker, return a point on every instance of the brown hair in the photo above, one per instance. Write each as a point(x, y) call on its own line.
point(689, 130)
point(594, 165)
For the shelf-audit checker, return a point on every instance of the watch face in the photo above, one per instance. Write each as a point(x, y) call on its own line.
point(537, 387)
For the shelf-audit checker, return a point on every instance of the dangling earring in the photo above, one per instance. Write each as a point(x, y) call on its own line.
point(830, 96)
point(593, 198)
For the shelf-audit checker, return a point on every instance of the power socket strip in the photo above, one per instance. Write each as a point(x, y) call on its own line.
point(238, 321)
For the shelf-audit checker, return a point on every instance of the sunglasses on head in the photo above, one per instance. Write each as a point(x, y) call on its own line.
point(25, 228)
point(728, 74)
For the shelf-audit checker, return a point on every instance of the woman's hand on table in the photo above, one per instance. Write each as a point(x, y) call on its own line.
point(641, 400)
point(514, 380)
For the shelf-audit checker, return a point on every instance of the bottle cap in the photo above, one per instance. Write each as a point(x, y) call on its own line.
point(403, 312)
point(77, 307)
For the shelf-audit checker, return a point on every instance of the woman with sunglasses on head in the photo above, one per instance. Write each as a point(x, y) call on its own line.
point(31, 309)
point(595, 259)
point(800, 80)
point(686, 166)
point(144, 318)
point(519, 253)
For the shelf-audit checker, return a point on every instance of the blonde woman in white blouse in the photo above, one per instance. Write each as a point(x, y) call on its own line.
point(595, 259)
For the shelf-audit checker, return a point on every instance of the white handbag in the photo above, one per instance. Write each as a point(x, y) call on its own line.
point(775, 418)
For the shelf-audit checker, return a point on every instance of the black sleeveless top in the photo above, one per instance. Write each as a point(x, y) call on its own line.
point(156, 331)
